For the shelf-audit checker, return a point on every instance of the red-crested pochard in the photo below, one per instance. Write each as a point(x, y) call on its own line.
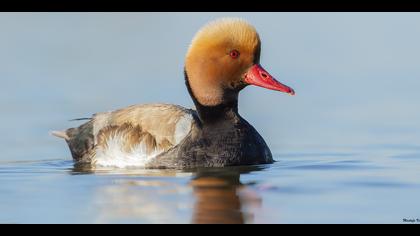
point(222, 59)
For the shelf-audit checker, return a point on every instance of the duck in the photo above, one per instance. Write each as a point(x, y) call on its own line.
point(222, 59)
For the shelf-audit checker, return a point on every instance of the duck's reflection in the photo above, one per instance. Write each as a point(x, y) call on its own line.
point(152, 196)
point(221, 197)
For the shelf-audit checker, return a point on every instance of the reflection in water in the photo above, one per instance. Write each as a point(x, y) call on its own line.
point(221, 198)
point(147, 196)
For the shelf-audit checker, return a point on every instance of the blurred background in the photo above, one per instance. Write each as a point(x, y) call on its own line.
point(347, 145)
point(356, 75)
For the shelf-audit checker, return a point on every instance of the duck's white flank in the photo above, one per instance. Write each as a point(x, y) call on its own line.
point(114, 153)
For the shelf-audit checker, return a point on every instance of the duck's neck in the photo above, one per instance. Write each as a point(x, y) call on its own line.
point(227, 110)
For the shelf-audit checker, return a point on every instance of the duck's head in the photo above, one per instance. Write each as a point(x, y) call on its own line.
point(224, 58)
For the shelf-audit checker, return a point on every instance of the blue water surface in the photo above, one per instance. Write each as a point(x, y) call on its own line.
point(347, 145)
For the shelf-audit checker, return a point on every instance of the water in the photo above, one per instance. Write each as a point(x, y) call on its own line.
point(301, 188)
point(347, 145)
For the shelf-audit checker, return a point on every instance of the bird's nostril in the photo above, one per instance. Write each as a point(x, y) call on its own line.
point(264, 75)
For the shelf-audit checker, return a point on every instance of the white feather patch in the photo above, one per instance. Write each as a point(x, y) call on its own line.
point(114, 156)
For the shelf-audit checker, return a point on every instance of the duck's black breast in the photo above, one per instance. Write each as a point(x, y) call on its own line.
point(227, 142)
point(219, 137)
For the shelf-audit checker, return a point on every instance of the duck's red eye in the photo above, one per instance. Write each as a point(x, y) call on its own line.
point(234, 54)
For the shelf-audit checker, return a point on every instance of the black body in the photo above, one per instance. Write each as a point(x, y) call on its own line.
point(221, 138)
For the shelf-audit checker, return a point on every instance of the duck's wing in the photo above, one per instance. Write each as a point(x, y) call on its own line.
point(129, 136)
